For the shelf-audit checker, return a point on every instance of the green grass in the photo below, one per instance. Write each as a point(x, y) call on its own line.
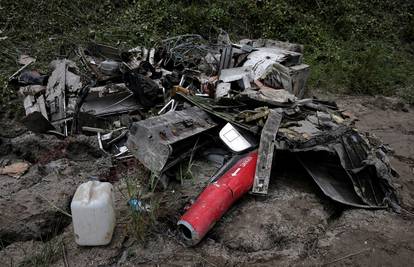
point(353, 46)
point(185, 167)
point(140, 224)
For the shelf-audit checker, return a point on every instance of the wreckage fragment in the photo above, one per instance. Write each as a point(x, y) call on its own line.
point(61, 94)
point(102, 60)
point(331, 179)
point(105, 101)
point(266, 152)
point(227, 113)
point(51, 108)
point(36, 118)
point(32, 90)
point(103, 51)
point(112, 104)
point(154, 140)
point(31, 77)
point(35, 104)
point(279, 68)
point(188, 51)
point(145, 90)
point(269, 96)
point(55, 92)
point(242, 75)
point(261, 59)
point(292, 79)
point(222, 90)
point(341, 162)
point(369, 172)
point(216, 199)
point(226, 58)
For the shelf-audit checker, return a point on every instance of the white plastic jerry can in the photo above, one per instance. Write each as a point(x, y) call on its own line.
point(93, 213)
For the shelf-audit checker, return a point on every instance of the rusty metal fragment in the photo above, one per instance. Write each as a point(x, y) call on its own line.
point(154, 140)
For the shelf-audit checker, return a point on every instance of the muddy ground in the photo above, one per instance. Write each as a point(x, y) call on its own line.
point(294, 225)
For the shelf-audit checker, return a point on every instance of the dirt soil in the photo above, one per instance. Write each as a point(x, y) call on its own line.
point(294, 225)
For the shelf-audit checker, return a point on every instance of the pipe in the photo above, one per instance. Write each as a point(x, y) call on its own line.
point(217, 198)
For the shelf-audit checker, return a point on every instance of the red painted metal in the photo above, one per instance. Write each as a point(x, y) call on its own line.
point(217, 198)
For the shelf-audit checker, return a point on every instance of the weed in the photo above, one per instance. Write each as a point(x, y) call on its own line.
point(184, 168)
point(154, 179)
point(141, 223)
point(185, 172)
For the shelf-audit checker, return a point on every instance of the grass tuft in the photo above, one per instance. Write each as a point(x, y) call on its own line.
point(141, 223)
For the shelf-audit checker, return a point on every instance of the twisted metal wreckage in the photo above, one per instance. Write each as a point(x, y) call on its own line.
point(162, 104)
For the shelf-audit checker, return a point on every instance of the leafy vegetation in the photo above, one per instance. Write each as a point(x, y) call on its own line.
point(353, 46)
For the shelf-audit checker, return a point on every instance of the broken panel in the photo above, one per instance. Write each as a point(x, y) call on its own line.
point(55, 92)
point(116, 103)
point(369, 174)
point(226, 58)
point(265, 153)
point(331, 178)
point(152, 140)
point(348, 169)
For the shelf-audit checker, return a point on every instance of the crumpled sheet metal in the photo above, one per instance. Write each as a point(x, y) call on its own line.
point(368, 169)
point(343, 163)
point(270, 96)
point(332, 179)
point(57, 102)
point(348, 169)
point(261, 59)
point(279, 68)
point(112, 104)
point(227, 114)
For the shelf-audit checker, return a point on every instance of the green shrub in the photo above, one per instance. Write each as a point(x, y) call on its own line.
point(354, 46)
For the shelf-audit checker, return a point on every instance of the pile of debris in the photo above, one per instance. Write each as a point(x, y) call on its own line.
point(162, 105)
